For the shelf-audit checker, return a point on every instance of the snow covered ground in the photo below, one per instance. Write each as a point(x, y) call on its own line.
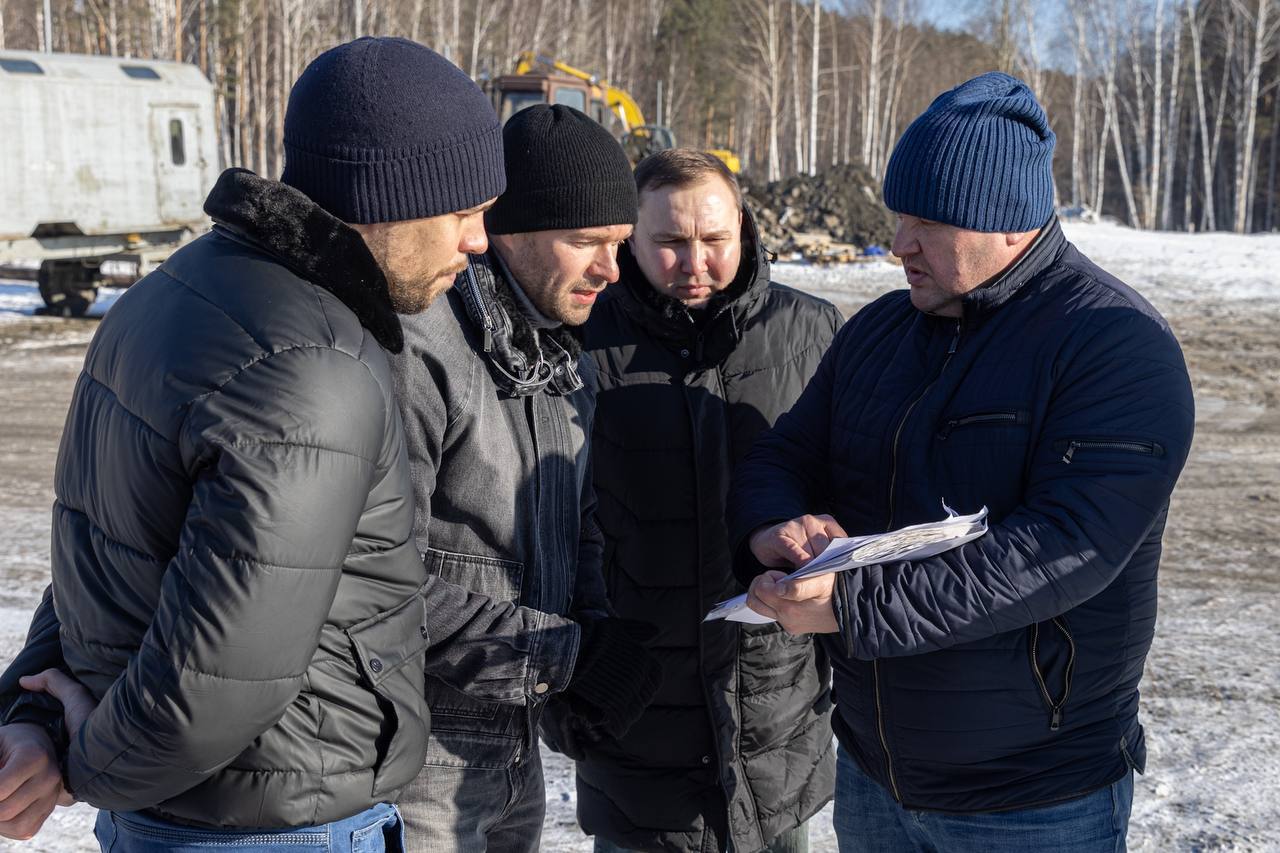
point(1211, 697)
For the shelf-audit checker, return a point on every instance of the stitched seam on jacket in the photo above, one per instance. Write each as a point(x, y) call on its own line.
point(132, 414)
point(256, 442)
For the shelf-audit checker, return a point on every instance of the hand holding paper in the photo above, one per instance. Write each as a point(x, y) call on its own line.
point(908, 543)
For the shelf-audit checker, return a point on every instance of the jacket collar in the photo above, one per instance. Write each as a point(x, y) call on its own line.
point(979, 304)
point(316, 245)
point(523, 360)
point(720, 323)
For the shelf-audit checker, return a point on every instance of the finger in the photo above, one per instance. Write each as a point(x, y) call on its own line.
point(791, 551)
point(57, 684)
point(16, 771)
point(805, 589)
point(28, 823)
point(832, 527)
point(35, 789)
point(817, 542)
point(754, 602)
point(65, 799)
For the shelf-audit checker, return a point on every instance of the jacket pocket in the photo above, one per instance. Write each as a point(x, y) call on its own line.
point(1071, 447)
point(999, 417)
point(499, 579)
point(1051, 666)
point(388, 649)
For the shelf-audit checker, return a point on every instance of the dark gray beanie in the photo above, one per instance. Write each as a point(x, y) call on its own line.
point(981, 158)
point(385, 129)
point(564, 170)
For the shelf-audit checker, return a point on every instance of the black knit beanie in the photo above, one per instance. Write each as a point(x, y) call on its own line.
point(384, 130)
point(564, 170)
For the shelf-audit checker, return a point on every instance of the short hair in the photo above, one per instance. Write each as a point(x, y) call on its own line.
point(683, 167)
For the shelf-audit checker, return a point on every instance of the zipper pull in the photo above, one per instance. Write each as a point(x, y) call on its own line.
point(1055, 720)
point(488, 340)
point(1071, 451)
point(946, 429)
point(955, 340)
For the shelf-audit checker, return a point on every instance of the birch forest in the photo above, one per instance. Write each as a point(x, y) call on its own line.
point(1167, 111)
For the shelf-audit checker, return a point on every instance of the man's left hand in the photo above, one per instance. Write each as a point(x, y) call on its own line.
point(801, 606)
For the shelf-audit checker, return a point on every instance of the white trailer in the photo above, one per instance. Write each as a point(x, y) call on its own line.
point(101, 158)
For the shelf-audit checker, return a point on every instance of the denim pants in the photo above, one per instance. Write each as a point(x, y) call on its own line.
point(793, 841)
point(869, 820)
point(476, 809)
point(375, 830)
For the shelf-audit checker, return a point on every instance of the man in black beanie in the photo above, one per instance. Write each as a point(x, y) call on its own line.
point(236, 590)
point(498, 405)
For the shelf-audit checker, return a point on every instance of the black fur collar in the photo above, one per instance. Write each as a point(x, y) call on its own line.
point(310, 241)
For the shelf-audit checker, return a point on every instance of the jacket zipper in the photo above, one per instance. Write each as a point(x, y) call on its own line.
point(984, 418)
point(1055, 708)
point(486, 319)
point(1146, 448)
point(893, 475)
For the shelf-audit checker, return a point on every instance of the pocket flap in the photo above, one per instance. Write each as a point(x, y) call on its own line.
point(390, 639)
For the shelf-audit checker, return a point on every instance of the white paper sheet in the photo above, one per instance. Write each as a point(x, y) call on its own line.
point(907, 543)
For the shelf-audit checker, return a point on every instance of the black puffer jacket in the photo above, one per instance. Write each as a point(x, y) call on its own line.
point(738, 743)
point(234, 572)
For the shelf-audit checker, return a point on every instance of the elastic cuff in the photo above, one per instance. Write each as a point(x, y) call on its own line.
point(841, 605)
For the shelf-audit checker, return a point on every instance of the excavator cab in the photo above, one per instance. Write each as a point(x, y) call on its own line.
point(542, 80)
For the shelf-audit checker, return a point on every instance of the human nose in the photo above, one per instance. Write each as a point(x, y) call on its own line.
point(904, 241)
point(695, 260)
point(473, 240)
point(605, 263)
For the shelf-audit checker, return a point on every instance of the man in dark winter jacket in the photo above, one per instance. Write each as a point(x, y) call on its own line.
point(235, 578)
point(497, 404)
point(696, 353)
point(986, 697)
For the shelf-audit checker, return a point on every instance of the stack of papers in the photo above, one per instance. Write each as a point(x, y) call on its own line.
point(908, 543)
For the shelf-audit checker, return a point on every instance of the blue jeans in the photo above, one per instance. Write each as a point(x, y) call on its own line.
point(376, 830)
point(869, 820)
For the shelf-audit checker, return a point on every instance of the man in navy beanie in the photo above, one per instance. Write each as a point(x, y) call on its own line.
point(238, 621)
point(987, 697)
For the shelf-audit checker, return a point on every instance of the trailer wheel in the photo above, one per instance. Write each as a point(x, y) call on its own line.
point(68, 287)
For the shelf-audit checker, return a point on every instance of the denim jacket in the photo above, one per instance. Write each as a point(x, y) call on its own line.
point(497, 415)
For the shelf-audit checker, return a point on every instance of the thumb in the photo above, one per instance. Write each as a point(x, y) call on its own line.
point(57, 684)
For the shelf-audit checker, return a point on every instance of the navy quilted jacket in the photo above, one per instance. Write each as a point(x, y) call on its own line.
point(1003, 674)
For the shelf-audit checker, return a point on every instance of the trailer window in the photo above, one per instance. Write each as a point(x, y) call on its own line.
point(20, 66)
point(575, 98)
point(177, 147)
point(140, 72)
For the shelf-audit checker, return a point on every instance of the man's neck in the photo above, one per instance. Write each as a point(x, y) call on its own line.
point(536, 318)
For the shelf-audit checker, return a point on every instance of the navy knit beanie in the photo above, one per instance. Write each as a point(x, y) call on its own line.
point(564, 170)
point(980, 158)
point(384, 130)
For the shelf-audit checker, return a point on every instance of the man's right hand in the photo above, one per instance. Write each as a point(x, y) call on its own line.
point(793, 543)
point(30, 782)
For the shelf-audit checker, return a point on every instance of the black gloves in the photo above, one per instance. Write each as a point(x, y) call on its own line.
point(615, 677)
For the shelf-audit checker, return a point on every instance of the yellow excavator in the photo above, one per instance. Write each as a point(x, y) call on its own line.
point(540, 79)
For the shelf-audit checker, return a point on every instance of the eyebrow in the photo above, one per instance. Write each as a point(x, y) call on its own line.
point(676, 235)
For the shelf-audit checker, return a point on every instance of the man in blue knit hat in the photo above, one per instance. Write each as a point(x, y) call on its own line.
point(239, 613)
point(987, 697)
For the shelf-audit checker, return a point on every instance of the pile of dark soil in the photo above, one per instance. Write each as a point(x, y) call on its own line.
point(840, 205)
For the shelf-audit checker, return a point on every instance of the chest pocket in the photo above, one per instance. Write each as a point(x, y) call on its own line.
point(982, 456)
point(499, 579)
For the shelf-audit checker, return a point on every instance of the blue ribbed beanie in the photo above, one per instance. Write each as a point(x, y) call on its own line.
point(385, 129)
point(980, 157)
